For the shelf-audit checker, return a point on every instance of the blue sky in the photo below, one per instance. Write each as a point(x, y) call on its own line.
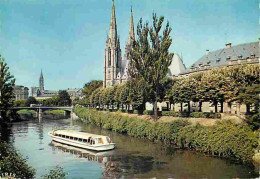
point(66, 38)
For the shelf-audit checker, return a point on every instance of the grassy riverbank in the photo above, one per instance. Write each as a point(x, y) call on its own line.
point(26, 111)
point(225, 139)
point(55, 112)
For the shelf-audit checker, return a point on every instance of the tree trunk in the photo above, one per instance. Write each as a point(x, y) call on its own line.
point(247, 108)
point(221, 108)
point(200, 106)
point(229, 107)
point(216, 107)
point(189, 106)
point(257, 108)
point(155, 109)
point(238, 109)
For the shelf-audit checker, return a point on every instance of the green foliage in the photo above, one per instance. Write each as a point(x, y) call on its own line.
point(254, 122)
point(64, 98)
point(249, 95)
point(88, 89)
point(11, 162)
point(146, 112)
point(7, 83)
point(192, 114)
point(238, 83)
point(53, 101)
point(225, 139)
point(31, 100)
point(57, 173)
point(150, 58)
point(58, 112)
point(26, 111)
point(91, 86)
point(20, 103)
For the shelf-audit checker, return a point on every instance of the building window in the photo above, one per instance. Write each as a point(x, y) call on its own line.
point(109, 57)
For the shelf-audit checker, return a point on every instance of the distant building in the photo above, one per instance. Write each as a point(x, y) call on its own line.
point(230, 56)
point(243, 54)
point(40, 92)
point(21, 92)
point(74, 93)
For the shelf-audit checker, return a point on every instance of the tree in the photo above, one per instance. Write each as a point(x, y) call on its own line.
point(64, 98)
point(7, 83)
point(91, 86)
point(183, 91)
point(150, 58)
point(31, 100)
point(249, 95)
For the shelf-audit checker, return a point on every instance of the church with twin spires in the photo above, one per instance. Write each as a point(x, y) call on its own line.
point(116, 68)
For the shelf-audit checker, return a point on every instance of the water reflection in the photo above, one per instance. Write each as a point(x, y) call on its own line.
point(132, 158)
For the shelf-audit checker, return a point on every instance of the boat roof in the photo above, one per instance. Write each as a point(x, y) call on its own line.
point(73, 133)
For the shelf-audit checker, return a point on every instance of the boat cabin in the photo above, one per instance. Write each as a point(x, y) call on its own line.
point(90, 139)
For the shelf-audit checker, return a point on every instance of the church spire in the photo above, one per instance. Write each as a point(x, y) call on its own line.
point(113, 27)
point(131, 36)
point(41, 81)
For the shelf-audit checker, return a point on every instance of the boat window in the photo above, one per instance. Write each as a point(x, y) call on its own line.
point(63, 136)
point(67, 137)
point(85, 140)
point(89, 140)
point(80, 140)
point(75, 138)
point(100, 140)
point(71, 138)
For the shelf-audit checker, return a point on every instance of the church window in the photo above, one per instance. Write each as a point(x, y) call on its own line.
point(109, 57)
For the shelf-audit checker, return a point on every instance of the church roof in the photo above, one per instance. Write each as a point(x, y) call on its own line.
point(223, 56)
point(176, 66)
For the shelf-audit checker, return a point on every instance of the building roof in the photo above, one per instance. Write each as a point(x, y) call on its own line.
point(176, 66)
point(223, 56)
point(20, 87)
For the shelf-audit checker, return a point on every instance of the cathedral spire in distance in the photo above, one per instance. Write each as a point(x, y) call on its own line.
point(131, 36)
point(41, 82)
point(113, 27)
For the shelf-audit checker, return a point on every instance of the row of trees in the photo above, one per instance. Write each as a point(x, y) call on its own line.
point(239, 83)
point(61, 99)
point(228, 84)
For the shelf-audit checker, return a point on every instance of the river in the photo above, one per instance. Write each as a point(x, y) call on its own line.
point(132, 158)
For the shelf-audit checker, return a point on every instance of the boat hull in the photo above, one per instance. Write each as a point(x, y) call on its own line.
point(82, 145)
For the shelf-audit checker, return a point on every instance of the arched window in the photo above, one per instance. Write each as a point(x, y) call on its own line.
point(109, 57)
point(117, 59)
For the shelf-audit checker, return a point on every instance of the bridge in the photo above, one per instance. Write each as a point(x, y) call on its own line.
point(40, 109)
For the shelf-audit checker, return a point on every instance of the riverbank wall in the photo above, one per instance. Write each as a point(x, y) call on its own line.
point(225, 139)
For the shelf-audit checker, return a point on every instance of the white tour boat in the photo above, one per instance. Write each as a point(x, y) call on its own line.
point(82, 140)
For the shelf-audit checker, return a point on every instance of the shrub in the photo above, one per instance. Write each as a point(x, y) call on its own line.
point(254, 122)
point(192, 114)
point(57, 173)
point(11, 162)
point(225, 139)
point(146, 112)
